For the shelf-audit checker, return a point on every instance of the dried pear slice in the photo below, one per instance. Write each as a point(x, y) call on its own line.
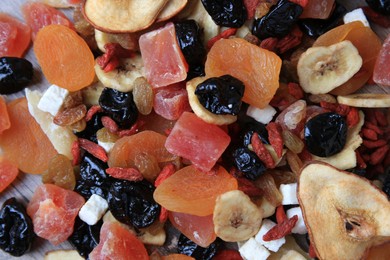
point(365, 100)
point(63, 255)
point(172, 8)
point(344, 213)
point(121, 16)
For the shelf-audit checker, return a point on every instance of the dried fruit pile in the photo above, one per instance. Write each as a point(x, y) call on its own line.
point(189, 130)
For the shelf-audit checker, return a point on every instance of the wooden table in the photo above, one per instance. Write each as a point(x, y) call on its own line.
point(25, 184)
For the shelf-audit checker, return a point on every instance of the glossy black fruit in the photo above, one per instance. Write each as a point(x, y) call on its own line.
point(188, 247)
point(253, 127)
point(16, 228)
point(221, 95)
point(87, 189)
point(326, 134)
point(119, 106)
point(132, 203)
point(380, 6)
point(229, 13)
point(85, 237)
point(248, 163)
point(92, 127)
point(279, 21)
point(15, 74)
point(188, 34)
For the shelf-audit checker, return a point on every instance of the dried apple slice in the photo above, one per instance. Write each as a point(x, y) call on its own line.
point(172, 8)
point(345, 214)
point(122, 16)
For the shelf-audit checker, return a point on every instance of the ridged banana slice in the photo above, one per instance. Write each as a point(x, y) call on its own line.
point(365, 100)
point(200, 110)
point(321, 69)
point(126, 40)
point(236, 217)
point(123, 78)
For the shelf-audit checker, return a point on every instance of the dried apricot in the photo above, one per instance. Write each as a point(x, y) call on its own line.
point(4, 118)
point(8, 173)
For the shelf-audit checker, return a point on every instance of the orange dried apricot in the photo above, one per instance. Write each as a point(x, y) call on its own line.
point(4, 118)
point(64, 57)
point(8, 173)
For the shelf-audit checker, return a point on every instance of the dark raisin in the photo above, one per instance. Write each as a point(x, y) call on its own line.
point(279, 21)
point(16, 228)
point(87, 189)
point(317, 27)
point(221, 95)
point(188, 247)
point(132, 203)
point(248, 163)
point(93, 125)
point(93, 170)
point(188, 34)
point(119, 106)
point(380, 6)
point(15, 74)
point(229, 13)
point(85, 237)
point(326, 134)
point(386, 185)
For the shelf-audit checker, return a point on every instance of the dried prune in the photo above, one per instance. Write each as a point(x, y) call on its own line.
point(188, 247)
point(248, 163)
point(253, 127)
point(16, 228)
point(221, 95)
point(188, 34)
point(86, 189)
point(380, 6)
point(279, 21)
point(85, 237)
point(229, 13)
point(15, 74)
point(92, 127)
point(132, 203)
point(119, 106)
point(317, 27)
point(326, 134)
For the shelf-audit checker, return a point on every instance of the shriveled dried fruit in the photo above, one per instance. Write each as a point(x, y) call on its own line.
point(267, 184)
point(292, 142)
point(60, 172)
point(294, 162)
point(317, 98)
point(143, 95)
point(70, 116)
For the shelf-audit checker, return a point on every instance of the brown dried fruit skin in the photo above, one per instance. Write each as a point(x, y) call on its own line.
point(344, 213)
point(122, 15)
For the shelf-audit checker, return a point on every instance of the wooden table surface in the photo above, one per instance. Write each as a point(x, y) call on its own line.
point(25, 184)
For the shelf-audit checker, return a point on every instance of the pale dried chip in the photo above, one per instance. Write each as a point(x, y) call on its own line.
point(365, 100)
point(345, 214)
point(172, 8)
point(56, 3)
point(63, 255)
point(122, 15)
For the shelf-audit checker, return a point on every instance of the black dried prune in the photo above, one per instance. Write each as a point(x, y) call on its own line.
point(93, 170)
point(253, 127)
point(380, 6)
point(93, 125)
point(85, 237)
point(87, 189)
point(221, 95)
point(325, 134)
point(119, 106)
point(278, 22)
point(229, 13)
point(187, 247)
point(16, 228)
point(132, 203)
point(317, 27)
point(248, 163)
point(188, 34)
point(15, 74)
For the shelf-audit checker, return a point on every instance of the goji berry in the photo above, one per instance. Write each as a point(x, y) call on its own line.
point(228, 254)
point(168, 131)
point(295, 90)
point(133, 129)
point(110, 124)
point(248, 187)
point(130, 174)
point(280, 214)
point(380, 118)
point(163, 215)
point(378, 155)
point(275, 137)
point(167, 171)
point(269, 44)
point(360, 161)
point(353, 117)
point(375, 17)
point(75, 150)
point(92, 111)
point(281, 229)
point(374, 144)
point(370, 117)
point(110, 60)
point(374, 127)
point(111, 65)
point(337, 108)
point(291, 40)
point(262, 152)
point(369, 134)
point(94, 149)
point(305, 155)
point(250, 6)
point(302, 3)
point(223, 35)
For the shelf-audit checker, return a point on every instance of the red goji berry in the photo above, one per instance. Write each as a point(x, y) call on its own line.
point(250, 6)
point(94, 149)
point(353, 117)
point(166, 172)
point(305, 155)
point(374, 144)
point(223, 35)
point(360, 161)
point(92, 111)
point(130, 174)
point(366, 157)
point(291, 40)
point(281, 229)
point(302, 3)
point(280, 214)
point(275, 137)
point(373, 127)
point(75, 150)
point(110, 124)
point(248, 187)
point(228, 254)
point(375, 17)
point(262, 152)
point(381, 118)
point(370, 117)
point(312, 251)
point(378, 155)
point(269, 44)
point(163, 215)
point(337, 108)
point(110, 60)
point(111, 65)
point(133, 129)
point(168, 131)
point(369, 134)
point(295, 90)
